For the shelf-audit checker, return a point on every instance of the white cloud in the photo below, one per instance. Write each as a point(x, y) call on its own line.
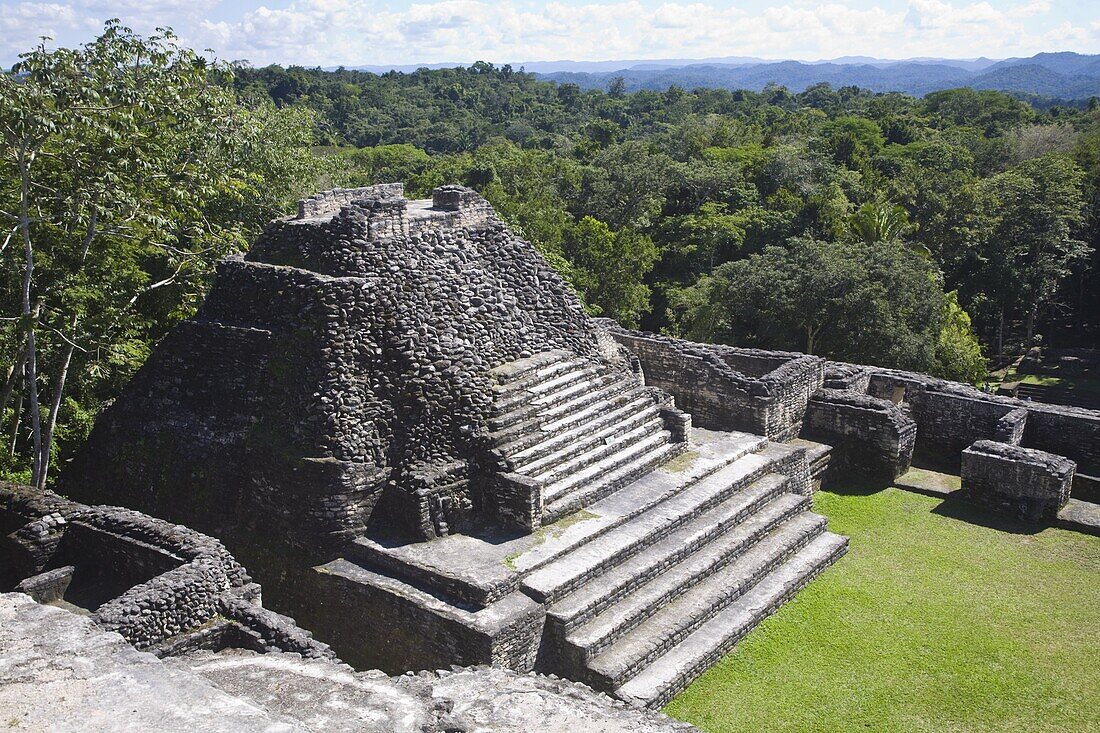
point(23, 24)
point(330, 32)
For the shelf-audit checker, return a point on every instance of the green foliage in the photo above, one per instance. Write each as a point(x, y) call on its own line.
point(1025, 240)
point(958, 353)
point(831, 220)
point(877, 303)
point(608, 268)
point(127, 169)
point(880, 221)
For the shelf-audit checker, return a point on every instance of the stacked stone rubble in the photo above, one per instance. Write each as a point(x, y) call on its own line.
point(338, 375)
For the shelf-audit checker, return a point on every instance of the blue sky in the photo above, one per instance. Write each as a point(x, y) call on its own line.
point(351, 32)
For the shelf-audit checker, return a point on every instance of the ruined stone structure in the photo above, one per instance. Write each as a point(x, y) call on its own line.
point(164, 588)
point(1013, 454)
point(402, 419)
point(60, 672)
point(208, 656)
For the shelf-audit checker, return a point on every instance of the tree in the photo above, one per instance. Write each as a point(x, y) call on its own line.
point(882, 221)
point(609, 267)
point(1029, 216)
point(873, 304)
point(958, 353)
point(128, 168)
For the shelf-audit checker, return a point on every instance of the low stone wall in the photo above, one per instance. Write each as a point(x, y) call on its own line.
point(718, 396)
point(951, 416)
point(871, 438)
point(147, 579)
point(1029, 484)
point(411, 628)
point(1010, 428)
point(330, 201)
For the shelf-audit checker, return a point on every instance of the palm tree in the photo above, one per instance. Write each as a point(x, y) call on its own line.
point(882, 221)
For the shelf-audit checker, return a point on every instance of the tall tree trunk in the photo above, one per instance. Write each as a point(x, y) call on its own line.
point(30, 314)
point(15, 371)
point(811, 337)
point(13, 434)
point(14, 378)
point(1001, 334)
point(55, 407)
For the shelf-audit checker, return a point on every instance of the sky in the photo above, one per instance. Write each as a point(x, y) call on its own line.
point(361, 32)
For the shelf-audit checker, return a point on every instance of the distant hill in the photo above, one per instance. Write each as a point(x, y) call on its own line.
point(1066, 75)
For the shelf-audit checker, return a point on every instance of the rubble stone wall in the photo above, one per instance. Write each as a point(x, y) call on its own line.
point(718, 396)
point(871, 438)
point(1030, 484)
point(335, 376)
point(951, 416)
point(328, 202)
point(164, 581)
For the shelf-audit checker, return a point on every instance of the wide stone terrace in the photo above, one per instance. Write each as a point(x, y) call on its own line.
point(484, 567)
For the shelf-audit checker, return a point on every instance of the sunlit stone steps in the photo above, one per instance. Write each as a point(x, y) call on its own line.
point(581, 428)
point(673, 670)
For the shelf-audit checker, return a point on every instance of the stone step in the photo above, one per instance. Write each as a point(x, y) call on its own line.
point(589, 465)
point(670, 625)
point(601, 433)
point(753, 549)
point(723, 526)
point(531, 367)
point(570, 569)
point(549, 441)
point(478, 571)
point(553, 407)
point(572, 383)
point(608, 483)
point(648, 491)
point(538, 421)
point(671, 672)
point(523, 368)
point(508, 398)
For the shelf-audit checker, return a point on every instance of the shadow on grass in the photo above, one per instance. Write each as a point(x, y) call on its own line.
point(956, 507)
point(854, 486)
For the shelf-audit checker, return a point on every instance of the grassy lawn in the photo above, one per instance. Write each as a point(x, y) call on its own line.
point(930, 623)
point(1078, 384)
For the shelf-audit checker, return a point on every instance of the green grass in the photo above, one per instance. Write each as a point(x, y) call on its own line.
point(930, 623)
point(927, 480)
point(1078, 384)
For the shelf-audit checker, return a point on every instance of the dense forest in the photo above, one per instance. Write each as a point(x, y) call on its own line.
point(1046, 78)
point(929, 233)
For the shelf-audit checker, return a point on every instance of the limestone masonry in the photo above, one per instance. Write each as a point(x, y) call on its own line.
point(400, 418)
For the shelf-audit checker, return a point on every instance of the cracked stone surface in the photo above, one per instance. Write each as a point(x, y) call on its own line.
point(61, 672)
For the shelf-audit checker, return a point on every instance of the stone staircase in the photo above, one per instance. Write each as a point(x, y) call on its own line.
point(579, 427)
point(660, 547)
point(644, 608)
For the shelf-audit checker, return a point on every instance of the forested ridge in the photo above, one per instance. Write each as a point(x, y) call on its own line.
point(926, 234)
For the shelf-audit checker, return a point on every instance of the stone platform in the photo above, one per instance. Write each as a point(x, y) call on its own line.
point(60, 672)
point(636, 594)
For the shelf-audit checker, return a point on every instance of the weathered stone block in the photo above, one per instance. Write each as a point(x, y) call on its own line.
point(1030, 484)
point(871, 438)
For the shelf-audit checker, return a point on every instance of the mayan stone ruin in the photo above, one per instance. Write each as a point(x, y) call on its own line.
point(125, 622)
point(403, 423)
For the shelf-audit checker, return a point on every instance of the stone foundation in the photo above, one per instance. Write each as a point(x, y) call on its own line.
point(1029, 484)
point(871, 438)
point(162, 586)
